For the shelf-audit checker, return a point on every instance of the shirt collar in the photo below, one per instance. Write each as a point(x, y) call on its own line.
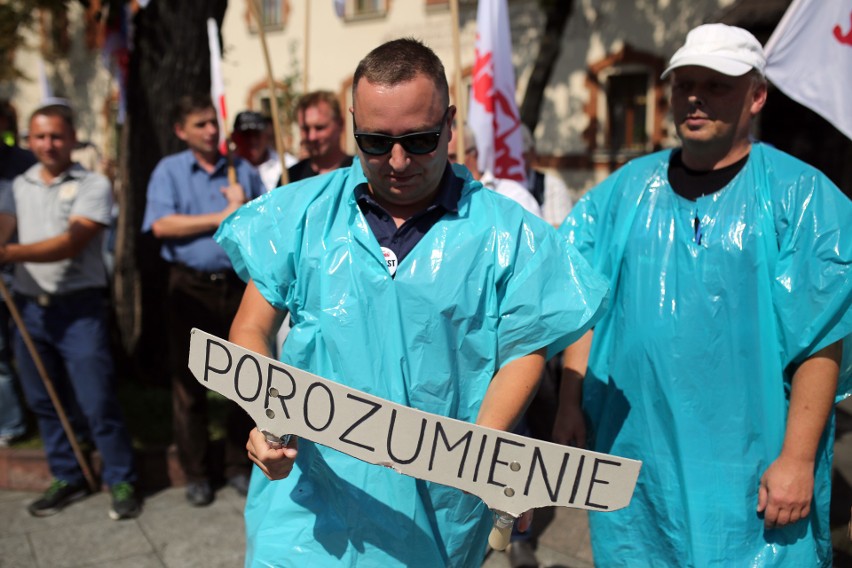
point(74, 171)
point(221, 163)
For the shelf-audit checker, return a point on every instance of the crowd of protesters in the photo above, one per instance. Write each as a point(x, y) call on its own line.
point(699, 299)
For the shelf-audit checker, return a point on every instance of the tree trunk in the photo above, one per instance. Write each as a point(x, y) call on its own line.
point(557, 14)
point(170, 57)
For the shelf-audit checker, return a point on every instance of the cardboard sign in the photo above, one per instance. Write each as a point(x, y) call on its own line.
point(508, 472)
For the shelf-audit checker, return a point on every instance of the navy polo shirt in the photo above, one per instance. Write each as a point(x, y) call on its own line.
point(404, 238)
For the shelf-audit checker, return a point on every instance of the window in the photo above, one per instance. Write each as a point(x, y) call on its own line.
point(627, 111)
point(363, 9)
point(270, 13)
point(273, 14)
point(625, 108)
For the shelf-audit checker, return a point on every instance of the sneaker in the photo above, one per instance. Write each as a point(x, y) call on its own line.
point(240, 483)
point(125, 504)
point(59, 495)
point(199, 493)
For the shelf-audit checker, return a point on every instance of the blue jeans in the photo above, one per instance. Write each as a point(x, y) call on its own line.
point(71, 337)
point(11, 416)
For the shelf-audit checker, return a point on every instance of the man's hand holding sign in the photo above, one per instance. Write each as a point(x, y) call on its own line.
point(510, 473)
point(454, 332)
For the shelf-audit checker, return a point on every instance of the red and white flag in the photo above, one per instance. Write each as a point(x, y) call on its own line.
point(494, 116)
point(217, 85)
point(809, 57)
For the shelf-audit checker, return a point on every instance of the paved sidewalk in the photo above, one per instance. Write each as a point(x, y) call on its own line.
point(169, 533)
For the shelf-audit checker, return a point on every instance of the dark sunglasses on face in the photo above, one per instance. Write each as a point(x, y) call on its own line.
point(417, 143)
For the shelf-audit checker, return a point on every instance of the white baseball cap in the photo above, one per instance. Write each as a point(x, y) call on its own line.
point(727, 49)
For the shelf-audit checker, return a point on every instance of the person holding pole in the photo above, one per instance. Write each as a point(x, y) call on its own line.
point(407, 279)
point(718, 364)
point(189, 194)
point(59, 211)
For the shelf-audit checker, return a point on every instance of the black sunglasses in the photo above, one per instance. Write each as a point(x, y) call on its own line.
point(417, 143)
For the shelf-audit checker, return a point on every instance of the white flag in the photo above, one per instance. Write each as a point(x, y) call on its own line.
point(809, 57)
point(217, 85)
point(494, 116)
point(44, 84)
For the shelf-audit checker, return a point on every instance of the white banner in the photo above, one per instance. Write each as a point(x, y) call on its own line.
point(217, 85)
point(494, 116)
point(809, 57)
point(508, 472)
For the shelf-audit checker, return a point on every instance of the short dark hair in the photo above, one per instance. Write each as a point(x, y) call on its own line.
point(58, 110)
point(399, 61)
point(188, 104)
point(314, 98)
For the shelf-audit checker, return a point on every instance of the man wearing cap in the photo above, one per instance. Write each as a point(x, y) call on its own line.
point(320, 124)
point(189, 194)
point(717, 364)
point(252, 137)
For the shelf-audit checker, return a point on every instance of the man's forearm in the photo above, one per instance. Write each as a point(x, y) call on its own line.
point(61, 247)
point(510, 391)
point(812, 395)
point(182, 226)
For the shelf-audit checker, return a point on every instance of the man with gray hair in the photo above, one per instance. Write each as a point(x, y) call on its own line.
point(730, 265)
point(320, 125)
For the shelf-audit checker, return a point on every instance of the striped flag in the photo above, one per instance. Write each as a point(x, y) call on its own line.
point(494, 116)
point(809, 57)
point(217, 85)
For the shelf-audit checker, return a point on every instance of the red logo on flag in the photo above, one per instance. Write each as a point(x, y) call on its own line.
point(838, 33)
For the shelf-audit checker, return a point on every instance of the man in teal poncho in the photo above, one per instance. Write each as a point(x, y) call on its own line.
point(404, 278)
point(730, 265)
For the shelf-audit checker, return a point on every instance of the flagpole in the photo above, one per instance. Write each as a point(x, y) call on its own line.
point(217, 94)
point(461, 114)
point(307, 45)
point(276, 126)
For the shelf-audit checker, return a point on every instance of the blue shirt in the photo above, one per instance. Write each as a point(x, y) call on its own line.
point(180, 186)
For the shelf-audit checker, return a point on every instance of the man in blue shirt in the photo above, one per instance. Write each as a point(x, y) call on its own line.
point(189, 194)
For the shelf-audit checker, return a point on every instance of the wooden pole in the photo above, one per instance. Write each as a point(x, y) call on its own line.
point(461, 110)
point(276, 126)
point(48, 385)
point(307, 45)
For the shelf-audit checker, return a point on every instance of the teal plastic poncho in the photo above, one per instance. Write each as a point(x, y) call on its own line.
point(690, 369)
point(484, 286)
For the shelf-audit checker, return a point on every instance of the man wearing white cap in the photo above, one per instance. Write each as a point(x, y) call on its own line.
point(730, 265)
